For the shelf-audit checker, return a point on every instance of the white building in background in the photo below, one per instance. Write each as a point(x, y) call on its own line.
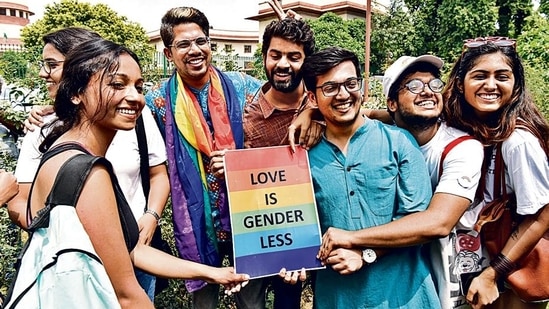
point(311, 9)
point(241, 45)
point(14, 15)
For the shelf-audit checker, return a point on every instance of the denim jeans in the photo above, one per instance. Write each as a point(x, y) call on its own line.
point(147, 282)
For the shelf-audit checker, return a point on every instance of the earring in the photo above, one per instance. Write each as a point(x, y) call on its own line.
point(75, 100)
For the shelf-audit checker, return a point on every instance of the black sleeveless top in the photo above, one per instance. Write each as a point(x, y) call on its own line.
point(127, 220)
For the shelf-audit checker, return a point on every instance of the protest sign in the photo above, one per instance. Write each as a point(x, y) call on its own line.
point(273, 211)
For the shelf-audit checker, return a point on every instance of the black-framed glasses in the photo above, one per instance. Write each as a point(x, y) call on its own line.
point(500, 41)
point(49, 65)
point(184, 45)
point(331, 89)
point(417, 86)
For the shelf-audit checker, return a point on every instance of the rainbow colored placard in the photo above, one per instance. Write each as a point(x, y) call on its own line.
point(273, 212)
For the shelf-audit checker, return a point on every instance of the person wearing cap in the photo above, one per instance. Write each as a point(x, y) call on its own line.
point(364, 174)
point(413, 89)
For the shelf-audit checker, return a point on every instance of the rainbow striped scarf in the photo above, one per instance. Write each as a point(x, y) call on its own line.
point(188, 138)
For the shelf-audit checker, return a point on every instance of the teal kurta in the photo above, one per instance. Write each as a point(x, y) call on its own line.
point(382, 177)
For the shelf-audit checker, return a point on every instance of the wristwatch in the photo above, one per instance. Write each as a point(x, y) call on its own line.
point(369, 256)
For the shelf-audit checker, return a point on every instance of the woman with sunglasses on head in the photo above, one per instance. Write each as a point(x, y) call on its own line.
point(486, 96)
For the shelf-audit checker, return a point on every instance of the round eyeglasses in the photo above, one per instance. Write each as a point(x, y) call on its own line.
point(184, 45)
point(331, 89)
point(49, 65)
point(417, 86)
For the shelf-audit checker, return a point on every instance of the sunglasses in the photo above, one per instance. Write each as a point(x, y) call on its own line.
point(500, 41)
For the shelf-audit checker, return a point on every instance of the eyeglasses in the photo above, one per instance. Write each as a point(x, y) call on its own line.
point(184, 45)
point(331, 89)
point(49, 65)
point(500, 41)
point(417, 86)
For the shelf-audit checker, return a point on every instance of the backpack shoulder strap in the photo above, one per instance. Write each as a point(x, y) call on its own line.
point(70, 179)
point(448, 148)
point(143, 157)
point(67, 186)
point(46, 156)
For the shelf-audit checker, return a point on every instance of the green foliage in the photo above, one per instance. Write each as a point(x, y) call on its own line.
point(533, 47)
point(463, 20)
point(10, 242)
point(99, 18)
point(13, 66)
point(544, 7)
point(331, 30)
point(11, 118)
point(391, 37)
point(227, 60)
point(512, 16)
point(258, 70)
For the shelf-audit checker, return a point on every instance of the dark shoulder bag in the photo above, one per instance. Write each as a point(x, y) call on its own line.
point(496, 222)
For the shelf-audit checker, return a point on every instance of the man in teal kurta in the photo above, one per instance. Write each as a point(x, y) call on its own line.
point(364, 174)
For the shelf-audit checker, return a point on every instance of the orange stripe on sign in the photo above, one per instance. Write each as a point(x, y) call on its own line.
point(267, 178)
point(255, 158)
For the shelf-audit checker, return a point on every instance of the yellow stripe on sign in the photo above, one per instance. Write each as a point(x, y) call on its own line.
point(269, 198)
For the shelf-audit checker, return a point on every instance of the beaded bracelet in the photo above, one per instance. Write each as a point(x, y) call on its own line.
point(503, 265)
point(153, 213)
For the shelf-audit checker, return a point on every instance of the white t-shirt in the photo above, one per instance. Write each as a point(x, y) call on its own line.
point(123, 153)
point(461, 174)
point(526, 172)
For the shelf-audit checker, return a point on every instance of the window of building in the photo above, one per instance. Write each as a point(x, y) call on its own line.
point(248, 49)
point(2, 11)
point(213, 46)
point(228, 48)
point(21, 14)
point(13, 12)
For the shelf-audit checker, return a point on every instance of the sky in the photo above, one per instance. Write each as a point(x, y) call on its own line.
point(222, 14)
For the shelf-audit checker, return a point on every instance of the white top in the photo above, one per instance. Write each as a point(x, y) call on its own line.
point(526, 172)
point(458, 252)
point(123, 153)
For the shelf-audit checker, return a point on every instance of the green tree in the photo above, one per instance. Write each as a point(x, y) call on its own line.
point(533, 47)
point(13, 66)
point(391, 37)
point(512, 16)
point(544, 7)
point(258, 70)
point(99, 18)
point(441, 26)
point(331, 30)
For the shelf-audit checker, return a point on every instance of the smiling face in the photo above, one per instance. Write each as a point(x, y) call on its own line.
point(116, 95)
point(192, 63)
point(53, 60)
point(283, 64)
point(343, 109)
point(489, 84)
point(416, 110)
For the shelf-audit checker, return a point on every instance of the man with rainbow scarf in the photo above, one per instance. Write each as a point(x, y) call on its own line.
point(199, 110)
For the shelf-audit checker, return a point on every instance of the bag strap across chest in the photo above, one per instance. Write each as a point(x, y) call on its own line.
point(448, 148)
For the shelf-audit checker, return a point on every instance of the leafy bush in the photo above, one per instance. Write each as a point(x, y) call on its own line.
point(10, 242)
